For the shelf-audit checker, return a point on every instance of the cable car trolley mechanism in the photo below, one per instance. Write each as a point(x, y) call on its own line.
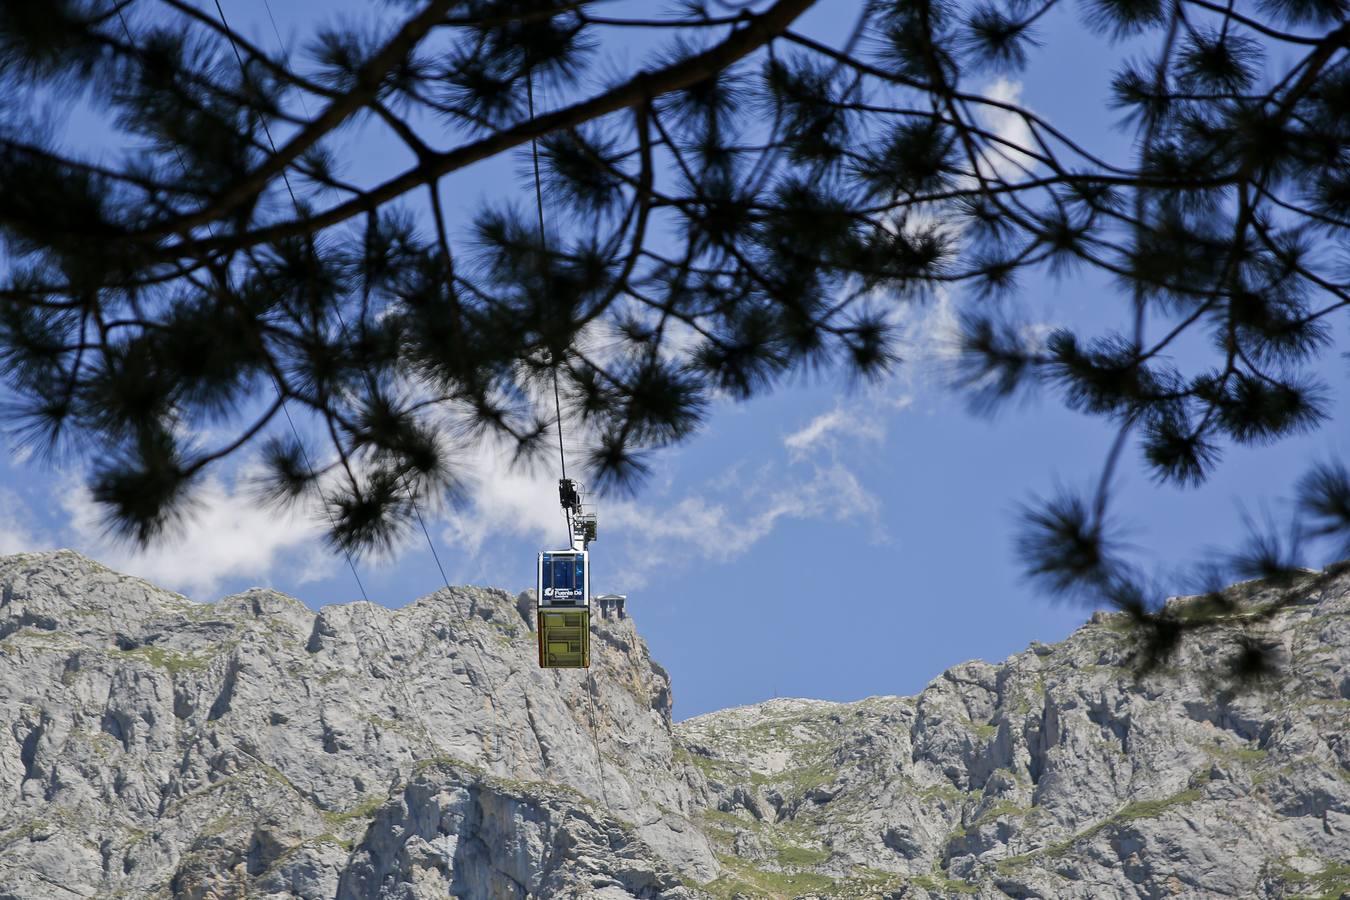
point(563, 592)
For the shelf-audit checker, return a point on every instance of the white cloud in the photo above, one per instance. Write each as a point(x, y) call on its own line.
point(826, 428)
point(719, 519)
point(927, 334)
point(927, 341)
point(228, 533)
point(505, 500)
point(14, 540)
point(1003, 160)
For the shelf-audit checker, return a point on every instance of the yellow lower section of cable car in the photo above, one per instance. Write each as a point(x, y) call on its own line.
point(564, 638)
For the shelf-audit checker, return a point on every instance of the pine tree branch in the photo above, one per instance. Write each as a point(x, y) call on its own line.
point(758, 30)
point(1259, 27)
point(370, 81)
point(248, 434)
point(253, 52)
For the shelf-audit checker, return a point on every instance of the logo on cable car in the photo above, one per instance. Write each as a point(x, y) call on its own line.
point(562, 593)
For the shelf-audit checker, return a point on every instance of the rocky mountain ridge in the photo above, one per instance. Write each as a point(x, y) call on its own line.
point(1054, 774)
point(157, 747)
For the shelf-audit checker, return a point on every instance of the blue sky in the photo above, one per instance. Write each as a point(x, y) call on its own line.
point(819, 541)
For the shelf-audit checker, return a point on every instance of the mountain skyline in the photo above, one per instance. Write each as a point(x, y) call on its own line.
point(163, 747)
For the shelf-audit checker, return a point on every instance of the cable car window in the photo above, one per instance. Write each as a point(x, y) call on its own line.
point(562, 573)
point(580, 581)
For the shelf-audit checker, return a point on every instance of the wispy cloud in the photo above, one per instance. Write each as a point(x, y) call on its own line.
point(719, 518)
point(927, 331)
point(746, 510)
point(926, 335)
point(504, 499)
point(827, 428)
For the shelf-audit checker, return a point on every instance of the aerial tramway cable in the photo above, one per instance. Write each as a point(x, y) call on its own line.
point(417, 511)
point(407, 699)
point(131, 42)
point(562, 456)
point(285, 409)
point(539, 206)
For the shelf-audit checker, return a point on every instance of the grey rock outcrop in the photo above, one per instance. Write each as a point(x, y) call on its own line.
point(161, 748)
point(1055, 774)
point(157, 747)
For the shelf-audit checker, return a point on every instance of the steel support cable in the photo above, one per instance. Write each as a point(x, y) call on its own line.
point(370, 621)
point(557, 404)
point(285, 409)
point(342, 323)
point(131, 41)
point(543, 251)
point(595, 739)
point(408, 489)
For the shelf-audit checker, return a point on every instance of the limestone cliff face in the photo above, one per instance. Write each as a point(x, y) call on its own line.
point(156, 747)
point(153, 746)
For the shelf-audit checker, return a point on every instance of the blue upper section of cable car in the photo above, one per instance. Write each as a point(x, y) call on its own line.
point(562, 577)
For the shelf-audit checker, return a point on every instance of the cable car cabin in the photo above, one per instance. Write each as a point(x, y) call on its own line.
point(564, 609)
